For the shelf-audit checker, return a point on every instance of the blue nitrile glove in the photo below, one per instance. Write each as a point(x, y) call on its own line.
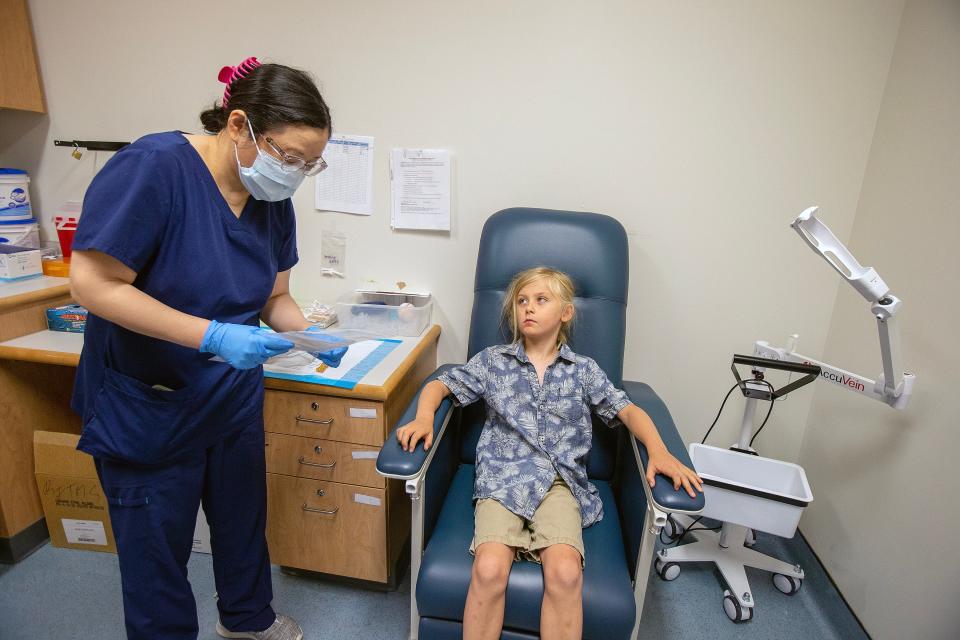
point(242, 346)
point(332, 357)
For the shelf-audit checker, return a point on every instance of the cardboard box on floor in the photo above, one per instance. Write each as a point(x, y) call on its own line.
point(73, 501)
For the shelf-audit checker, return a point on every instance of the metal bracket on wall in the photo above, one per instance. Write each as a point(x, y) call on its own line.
point(91, 145)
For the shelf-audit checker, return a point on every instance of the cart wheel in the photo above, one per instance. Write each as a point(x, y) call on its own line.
point(667, 570)
point(787, 584)
point(673, 529)
point(751, 538)
point(734, 611)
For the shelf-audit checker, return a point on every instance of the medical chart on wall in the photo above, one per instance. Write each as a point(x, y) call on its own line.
point(420, 189)
point(347, 183)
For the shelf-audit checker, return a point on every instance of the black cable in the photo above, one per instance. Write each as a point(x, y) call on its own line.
point(680, 537)
point(690, 528)
point(660, 535)
point(699, 529)
point(767, 417)
point(719, 412)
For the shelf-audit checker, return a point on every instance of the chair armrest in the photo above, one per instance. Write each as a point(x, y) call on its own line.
point(665, 497)
point(393, 461)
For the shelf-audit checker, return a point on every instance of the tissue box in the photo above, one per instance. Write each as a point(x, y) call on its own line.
point(70, 317)
point(18, 263)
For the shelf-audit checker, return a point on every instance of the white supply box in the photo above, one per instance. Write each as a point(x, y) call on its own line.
point(760, 493)
point(18, 263)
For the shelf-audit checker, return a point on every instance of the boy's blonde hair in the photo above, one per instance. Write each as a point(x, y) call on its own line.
point(559, 283)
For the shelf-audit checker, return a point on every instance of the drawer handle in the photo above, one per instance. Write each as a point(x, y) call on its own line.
point(326, 512)
point(300, 418)
point(322, 465)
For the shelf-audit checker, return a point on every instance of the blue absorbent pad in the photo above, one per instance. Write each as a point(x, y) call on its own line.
point(353, 376)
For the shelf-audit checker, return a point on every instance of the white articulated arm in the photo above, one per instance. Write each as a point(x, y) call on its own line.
point(893, 386)
point(816, 234)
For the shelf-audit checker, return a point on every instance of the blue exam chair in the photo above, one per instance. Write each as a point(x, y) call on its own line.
point(592, 249)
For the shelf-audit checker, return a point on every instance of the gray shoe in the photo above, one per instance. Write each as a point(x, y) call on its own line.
point(283, 628)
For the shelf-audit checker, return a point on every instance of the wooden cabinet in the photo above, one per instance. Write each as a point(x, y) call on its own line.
point(328, 509)
point(20, 86)
point(32, 397)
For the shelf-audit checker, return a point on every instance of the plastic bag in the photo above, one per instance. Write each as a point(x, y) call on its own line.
point(325, 340)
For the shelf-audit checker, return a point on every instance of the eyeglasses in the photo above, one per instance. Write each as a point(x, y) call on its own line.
point(290, 163)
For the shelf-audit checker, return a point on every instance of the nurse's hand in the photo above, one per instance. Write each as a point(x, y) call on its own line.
point(331, 357)
point(241, 345)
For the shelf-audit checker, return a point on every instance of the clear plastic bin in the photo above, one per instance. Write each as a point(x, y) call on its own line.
point(382, 313)
point(760, 493)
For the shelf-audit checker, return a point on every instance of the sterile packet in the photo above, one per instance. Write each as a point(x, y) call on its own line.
point(317, 341)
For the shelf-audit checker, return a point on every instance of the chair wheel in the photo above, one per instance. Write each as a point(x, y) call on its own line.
point(667, 570)
point(751, 538)
point(787, 584)
point(734, 611)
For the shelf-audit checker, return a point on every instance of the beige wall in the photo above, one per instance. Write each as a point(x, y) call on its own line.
point(886, 507)
point(704, 127)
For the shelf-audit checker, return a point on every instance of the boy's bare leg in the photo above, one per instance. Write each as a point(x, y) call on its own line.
point(561, 615)
point(483, 613)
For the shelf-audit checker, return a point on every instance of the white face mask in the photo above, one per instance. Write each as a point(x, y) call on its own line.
point(265, 179)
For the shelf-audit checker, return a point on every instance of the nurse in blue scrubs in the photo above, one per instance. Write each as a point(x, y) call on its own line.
point(185, 244)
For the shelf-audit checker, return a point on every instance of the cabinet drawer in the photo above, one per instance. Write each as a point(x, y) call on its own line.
point(316, 416)
point(323, 460)
point(327, 527)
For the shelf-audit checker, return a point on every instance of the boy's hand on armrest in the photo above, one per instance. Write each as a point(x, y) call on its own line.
point(413, 432)
point(662, 461)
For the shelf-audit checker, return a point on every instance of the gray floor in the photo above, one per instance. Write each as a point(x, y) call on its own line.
point(63, 594)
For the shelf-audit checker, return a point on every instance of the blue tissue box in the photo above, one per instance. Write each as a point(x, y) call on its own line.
point(70, 317)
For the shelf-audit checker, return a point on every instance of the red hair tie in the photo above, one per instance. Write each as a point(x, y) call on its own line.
point(229, 75)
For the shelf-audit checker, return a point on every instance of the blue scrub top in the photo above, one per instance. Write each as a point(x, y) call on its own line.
point(156, 208)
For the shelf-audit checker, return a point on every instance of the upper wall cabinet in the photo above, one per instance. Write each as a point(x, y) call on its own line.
point(20, 86)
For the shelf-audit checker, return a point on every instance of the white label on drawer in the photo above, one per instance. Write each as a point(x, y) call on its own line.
point(365, 455)
point(84, 531)
point(362, 499)
point(357, 412)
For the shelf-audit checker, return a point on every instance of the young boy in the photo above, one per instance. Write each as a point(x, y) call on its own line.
point(532, 495)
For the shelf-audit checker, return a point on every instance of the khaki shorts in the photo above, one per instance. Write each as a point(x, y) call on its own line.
point(556, 521)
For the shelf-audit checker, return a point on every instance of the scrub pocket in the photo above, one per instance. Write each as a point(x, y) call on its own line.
point(135, 423)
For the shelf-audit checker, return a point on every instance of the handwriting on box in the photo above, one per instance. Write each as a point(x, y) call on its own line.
point(81, 494)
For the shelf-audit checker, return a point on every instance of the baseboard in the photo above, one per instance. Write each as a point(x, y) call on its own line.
point(21, 545)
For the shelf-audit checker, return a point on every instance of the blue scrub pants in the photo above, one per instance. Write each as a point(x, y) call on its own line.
point(153, 511)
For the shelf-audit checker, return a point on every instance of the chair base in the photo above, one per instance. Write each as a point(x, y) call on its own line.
point(726, 549)
point(434, 629)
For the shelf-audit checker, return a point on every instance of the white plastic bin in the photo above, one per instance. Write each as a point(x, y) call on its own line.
point(381, 313)
point(760, 493)
point(14, 195)
point(22, 234)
